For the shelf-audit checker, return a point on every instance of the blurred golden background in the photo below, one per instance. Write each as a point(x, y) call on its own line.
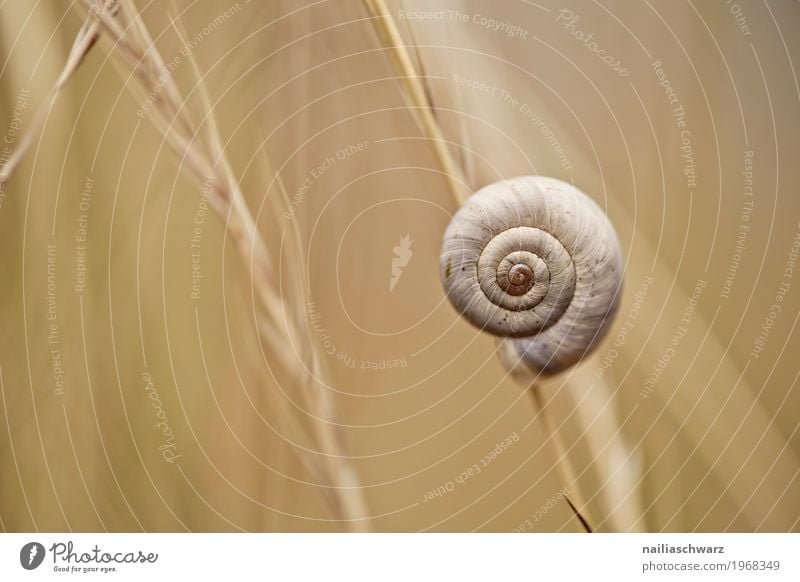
point(137, 394)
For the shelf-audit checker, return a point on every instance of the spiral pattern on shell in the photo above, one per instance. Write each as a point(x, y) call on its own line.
point(536, 261)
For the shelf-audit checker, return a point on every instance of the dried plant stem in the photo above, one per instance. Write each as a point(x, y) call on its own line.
point(422, 108)
point(84, 41)
point(563, 465)
point(321, 405)
point(205, 163)
point(416, 96)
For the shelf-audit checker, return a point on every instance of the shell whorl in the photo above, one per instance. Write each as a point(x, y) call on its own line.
point(536, 261)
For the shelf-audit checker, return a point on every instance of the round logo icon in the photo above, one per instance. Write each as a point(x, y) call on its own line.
point(31, 555)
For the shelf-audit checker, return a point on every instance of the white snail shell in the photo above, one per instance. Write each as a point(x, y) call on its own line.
point(536, 261)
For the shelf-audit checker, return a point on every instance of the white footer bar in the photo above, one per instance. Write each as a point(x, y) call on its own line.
point(388, 557)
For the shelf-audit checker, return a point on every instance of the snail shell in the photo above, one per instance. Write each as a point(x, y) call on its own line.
point(536, 261)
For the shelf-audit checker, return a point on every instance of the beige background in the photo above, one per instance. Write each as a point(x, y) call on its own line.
point(714, 447)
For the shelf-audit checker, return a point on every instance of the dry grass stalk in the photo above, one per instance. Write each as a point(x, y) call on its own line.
point(615, 462)
point(416, 97)
point(314, 391)
point(84, 42)
point(205, 163)
point(559, 451)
